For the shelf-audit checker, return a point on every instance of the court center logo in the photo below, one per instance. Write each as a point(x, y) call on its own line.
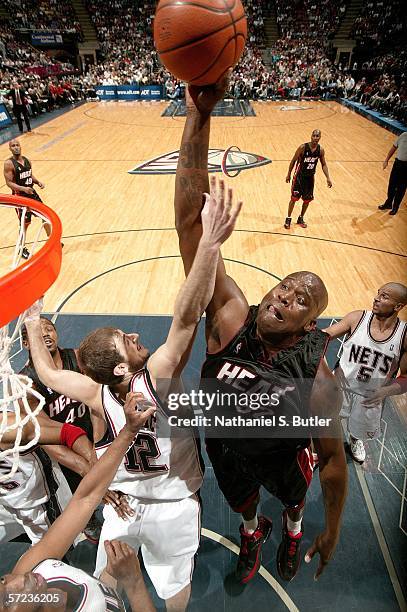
point(230, 161)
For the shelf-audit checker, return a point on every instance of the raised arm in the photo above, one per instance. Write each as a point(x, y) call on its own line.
point(72, 384)
point(228, 308)
point(326, 402)
point(218, 220)
point(88, 495)
point(325, 168)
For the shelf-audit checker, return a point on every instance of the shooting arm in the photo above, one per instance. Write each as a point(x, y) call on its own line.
point(72, 384)
point(228, 305)
point(218, 221)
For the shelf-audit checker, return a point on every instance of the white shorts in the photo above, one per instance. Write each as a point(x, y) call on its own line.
point(364, 423)
point(168, 534)
point(9, 528)
point(34, 521)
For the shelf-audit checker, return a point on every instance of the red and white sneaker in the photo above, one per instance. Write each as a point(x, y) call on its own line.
point(289, 552)
point(250, 550)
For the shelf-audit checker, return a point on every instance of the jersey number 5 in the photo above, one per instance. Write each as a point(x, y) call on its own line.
point(144, 449)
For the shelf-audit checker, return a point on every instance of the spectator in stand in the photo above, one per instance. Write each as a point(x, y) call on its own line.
point(18, 96)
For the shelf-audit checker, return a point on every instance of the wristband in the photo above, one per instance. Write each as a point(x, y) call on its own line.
point(402, 381)
point(69, 434)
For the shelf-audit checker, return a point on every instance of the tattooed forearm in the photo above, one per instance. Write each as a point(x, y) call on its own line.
point(194, 155)
point(193, 188)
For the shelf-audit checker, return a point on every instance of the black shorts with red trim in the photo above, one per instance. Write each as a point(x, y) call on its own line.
point(286, 475)
point(28, 214)
point(303, 187)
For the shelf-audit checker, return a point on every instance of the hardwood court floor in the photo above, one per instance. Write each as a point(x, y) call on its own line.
point(121, 226)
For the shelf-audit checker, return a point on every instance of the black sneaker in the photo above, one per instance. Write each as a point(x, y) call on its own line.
point(25, 253)
point(289, 552)
point(393, 212)
point(287, 223)
point(93, 529)
point(384, 206)
point(301, 222)
point(250, 550)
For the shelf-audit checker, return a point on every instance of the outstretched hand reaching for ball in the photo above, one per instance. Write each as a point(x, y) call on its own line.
point(204, 98)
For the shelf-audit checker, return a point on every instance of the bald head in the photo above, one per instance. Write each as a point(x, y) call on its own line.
point(398, 292)
point(390, 299)
point(316, 133)
point(315, 287)
point(15, 147)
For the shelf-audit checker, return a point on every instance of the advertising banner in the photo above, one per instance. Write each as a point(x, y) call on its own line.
point(130, 92)
point(5, 118)
point(46, 38)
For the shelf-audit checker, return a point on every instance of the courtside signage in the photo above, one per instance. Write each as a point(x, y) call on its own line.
point(235, 161)
point(5, 118)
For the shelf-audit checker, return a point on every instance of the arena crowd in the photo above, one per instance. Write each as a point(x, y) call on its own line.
point(298, 65)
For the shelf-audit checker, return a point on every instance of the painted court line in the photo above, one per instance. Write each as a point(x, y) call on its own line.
point(285, 598)
point(73, 129)
point(381, 539)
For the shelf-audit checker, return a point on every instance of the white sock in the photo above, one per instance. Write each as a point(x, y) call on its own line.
point(293, 526)
point(250, 526)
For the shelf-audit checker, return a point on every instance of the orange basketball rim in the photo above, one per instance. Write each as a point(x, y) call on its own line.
point(23, 285)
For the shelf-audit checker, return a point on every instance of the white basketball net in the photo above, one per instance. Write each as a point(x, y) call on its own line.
point(16, 389)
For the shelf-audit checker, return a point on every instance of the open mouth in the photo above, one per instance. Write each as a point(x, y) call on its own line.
point(275, 312)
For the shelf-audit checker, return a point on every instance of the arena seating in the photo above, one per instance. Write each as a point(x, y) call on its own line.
point(298, 65)
point(56, 15)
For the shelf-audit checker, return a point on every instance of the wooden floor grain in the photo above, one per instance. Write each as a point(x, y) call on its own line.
point(119, 227)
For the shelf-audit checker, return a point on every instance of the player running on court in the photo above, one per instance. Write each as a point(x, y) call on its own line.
point(305, 161)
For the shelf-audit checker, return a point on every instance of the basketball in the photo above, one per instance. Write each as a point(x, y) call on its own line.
point(198, 41)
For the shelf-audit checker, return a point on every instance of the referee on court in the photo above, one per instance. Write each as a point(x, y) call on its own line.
point(398, 176)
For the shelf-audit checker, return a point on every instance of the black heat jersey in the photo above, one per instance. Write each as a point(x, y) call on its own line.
point(243, 371)
point(22, 172)
point(307, 164)
point(23, 177)
point(61, 408)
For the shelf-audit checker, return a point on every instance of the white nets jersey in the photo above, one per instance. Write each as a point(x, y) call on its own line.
point(158, 465)
point(365, 365)
point(33, 498)
point(85, 593)
point(32, 484)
